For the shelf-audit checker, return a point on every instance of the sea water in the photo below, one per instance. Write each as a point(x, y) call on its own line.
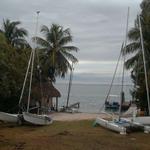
point(90, 96)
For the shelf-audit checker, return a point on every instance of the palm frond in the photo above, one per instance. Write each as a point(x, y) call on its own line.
point(44, 29)
point(15, 23)
point(62, 65)
point(70, 57)
point(70, 48)
point(20, 43)
point(132, 48)
point(67, 32)
point(134, 34)
point(42, 42)
point(65, 40)
point(131, 62)
point(12, 32)
point(22, 32)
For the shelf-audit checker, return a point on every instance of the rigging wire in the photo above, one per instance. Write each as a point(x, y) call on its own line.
point(121, 54)
point(112, 81)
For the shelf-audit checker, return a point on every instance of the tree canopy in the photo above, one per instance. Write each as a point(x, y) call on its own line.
point(56, 53)
point(135, 62)
point(12, 66)
point(53, 50)
point(14, 35)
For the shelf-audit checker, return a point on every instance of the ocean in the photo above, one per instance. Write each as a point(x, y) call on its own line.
point(90, 96)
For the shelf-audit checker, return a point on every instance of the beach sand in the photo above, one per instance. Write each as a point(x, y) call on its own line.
point(61, 116)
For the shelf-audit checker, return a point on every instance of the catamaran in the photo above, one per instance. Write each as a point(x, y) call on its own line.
point(123, 125)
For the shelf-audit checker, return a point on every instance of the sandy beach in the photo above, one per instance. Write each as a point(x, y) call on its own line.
point(61, 116)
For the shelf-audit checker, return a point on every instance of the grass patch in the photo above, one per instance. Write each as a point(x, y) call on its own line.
point(75, 135)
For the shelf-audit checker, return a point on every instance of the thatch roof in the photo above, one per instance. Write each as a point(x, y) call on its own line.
point(49, 90)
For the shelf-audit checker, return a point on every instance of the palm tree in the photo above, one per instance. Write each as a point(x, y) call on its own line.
point(134, 47)
point(133, 50)
point(56, 52)
point(14, 35)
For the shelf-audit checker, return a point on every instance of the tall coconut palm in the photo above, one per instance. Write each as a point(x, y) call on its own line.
point(56, 50)
point(14, 35)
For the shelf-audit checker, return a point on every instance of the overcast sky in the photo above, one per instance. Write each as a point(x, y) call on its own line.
point(98, 26)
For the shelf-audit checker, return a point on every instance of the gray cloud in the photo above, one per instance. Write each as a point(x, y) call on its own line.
point(98, 26)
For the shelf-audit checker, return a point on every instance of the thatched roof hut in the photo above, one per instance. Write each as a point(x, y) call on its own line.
point(49, 90)
point(48, 93)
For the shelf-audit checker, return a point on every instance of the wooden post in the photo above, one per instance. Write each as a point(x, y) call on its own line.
point(56, 103)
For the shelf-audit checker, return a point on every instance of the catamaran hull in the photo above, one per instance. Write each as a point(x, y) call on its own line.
point(145, 120)
point(7, 117)
point(110, 125)
point(37, 119)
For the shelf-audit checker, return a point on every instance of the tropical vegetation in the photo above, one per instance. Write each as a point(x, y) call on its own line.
point(135, 61)
point(12, 70)
point(14, 35)
point(53, 51)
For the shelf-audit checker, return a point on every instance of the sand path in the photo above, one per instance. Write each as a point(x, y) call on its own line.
point(76, 116)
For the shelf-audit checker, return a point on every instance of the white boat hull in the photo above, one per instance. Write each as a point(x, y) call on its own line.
point(37, 119)
point(7, 117)
point(145, 120)
point(111, 125)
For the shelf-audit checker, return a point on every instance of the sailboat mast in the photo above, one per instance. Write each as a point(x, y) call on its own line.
point(145, 71)
point(125, 44)
point(70, 83)
point(32, 64)
point(25, 79)
point(122, 85)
